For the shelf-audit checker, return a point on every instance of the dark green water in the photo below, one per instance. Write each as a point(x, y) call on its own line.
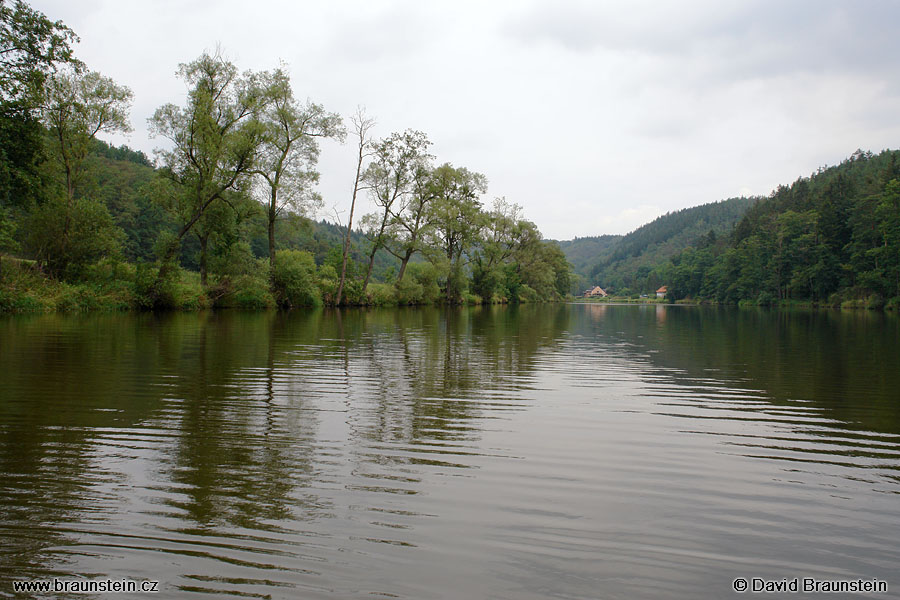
point(573, 451)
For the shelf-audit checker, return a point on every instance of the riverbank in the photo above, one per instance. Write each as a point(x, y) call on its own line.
point(112, 286)
point(867, 303)
point(620, 300)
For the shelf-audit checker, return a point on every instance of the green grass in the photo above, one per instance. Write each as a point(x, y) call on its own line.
point(23, 288)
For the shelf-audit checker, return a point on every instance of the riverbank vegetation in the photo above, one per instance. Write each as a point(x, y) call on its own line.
point(220, 218)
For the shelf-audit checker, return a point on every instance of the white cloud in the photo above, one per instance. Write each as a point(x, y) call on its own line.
point(595, 116)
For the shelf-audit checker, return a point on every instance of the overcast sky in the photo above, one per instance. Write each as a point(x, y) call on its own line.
point(595, 116)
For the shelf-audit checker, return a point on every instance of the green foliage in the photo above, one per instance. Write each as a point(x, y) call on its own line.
point(170, 288)
point(200, 213)
point(31, 45)
point(353, 294)
point(247, 292)
point(392, 179)
point(286, 163)
point(25, 288)
point(472, 299)
point(8, 241)
point(455, 284)
point(214, 139)
point(528, 294)
point(120, 154)
point(120, 179)
point(456, 218)
point(320, 238)
point(67, 238)
point(488, 281)
point(428, 277)
point(144, 281)
point(583, 253)
point(765, 299)
point(21, 153)
point(637, 259)
point(295, 279)
point(381, 294)
point(832, 238)
point(76, 106)
point(234, 260)
point(409, 292)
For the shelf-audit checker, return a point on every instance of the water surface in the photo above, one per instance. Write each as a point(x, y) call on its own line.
point(568, 451)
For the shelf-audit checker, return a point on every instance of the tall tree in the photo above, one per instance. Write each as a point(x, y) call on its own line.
point(78, 106)
point(31, 46)
point(215, 140)
point(221, 224)
point(502, 233)
point(390, 179)
point(413, 221)
point(362, 127)
point(290, 151)
point(887, 254)
point(456, 217)
point(502, 239)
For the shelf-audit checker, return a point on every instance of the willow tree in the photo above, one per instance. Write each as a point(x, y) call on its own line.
point(390, 179)
point(215, 140)
point(412, 222)
point(77, 107)
point(456, 218)
point(66, 233)
point(503, 233)
point(290, 151)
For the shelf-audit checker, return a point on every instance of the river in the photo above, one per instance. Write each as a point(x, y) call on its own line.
point(551, 451)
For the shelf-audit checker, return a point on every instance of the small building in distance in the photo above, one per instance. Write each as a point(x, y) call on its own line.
point(661, 292)
point(595, 292)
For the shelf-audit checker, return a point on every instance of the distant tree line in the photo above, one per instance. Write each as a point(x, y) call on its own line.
point(229, 195)
point(831, 238)
point(636, 263)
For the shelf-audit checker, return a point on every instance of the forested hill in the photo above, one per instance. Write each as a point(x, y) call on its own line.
point(582, 253)
point(830, 238)
point(627, 263)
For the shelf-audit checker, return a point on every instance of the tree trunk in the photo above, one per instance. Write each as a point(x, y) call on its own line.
point(272, 215)
point(70, 188)
point(362, 125)
point(340, 290)
point(376, 245)
point(369, 270)
point(204, 239)
point(403, 262)
point(451, 282)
